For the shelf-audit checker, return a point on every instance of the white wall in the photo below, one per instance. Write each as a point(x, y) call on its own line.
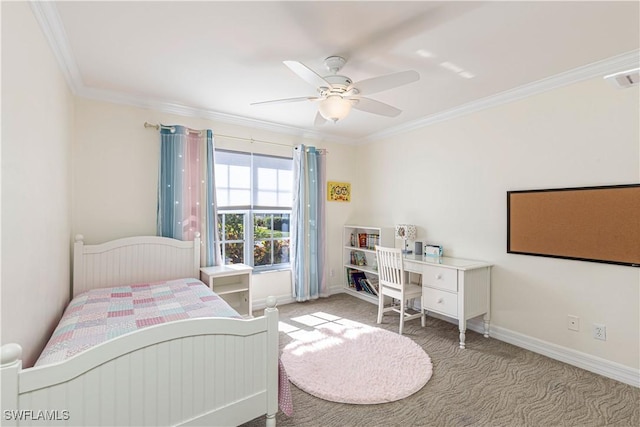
point(37, 128)
point(116, 172)
point(451, 179)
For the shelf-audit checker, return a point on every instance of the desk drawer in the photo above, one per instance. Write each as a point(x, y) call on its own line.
point(440, 301)
point(412, 266)
point(440, 278)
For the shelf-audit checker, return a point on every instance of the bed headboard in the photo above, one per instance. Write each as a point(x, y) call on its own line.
point(133, 260)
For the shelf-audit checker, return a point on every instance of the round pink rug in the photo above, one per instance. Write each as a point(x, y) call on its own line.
point(349, 362)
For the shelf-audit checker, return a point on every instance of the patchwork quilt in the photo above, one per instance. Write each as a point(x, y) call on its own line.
point(101, 314)
point(96, 316)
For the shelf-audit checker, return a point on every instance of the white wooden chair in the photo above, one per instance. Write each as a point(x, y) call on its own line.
point(393, 283)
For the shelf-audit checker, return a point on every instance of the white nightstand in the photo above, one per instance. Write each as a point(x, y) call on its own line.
point(233, 283)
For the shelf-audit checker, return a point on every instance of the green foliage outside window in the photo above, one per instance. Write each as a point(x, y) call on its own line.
point(270, 234)
point(269, 245)
point(233, 231)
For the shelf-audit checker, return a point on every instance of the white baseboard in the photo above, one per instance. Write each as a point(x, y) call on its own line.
point(594, 364)
point(597, 365)
point(261, 304)
point(576, 358)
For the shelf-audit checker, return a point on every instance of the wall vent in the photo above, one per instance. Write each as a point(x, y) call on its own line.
point(624, 79)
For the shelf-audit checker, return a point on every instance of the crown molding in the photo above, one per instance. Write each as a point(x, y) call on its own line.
point(186, 111)
point(607, 66)
point(48, 18)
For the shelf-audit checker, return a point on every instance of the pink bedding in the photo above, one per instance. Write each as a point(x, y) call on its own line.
point(101, 314)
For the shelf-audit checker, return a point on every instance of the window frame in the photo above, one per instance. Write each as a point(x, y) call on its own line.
point(248, 223)
point(272, 239)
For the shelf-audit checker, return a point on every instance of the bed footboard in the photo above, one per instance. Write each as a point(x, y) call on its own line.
point(191, 372)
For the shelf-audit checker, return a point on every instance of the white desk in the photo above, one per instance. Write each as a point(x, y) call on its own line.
point(233, 283)
point(453, 287)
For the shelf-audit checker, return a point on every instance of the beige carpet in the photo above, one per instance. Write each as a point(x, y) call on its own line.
point(490, 383)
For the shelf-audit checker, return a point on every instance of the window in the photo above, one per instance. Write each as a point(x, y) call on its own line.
point(254, 195)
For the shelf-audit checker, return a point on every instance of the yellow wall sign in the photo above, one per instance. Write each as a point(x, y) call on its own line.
point(338, 191)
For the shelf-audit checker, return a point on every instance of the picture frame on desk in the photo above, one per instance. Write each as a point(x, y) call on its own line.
point(433, 251)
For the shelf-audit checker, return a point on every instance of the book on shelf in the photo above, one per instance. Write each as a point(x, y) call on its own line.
point(350, 281)
point(350, 277)
point(355, 276)
point(368, 240)
point(368, 287)
point(362, 240)
point(358, 258)
point(374, 240)
point(363, 285)
point(360, 282)
point(373, 284)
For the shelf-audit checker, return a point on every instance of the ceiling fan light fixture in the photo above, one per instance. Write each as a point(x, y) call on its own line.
point(334, 108)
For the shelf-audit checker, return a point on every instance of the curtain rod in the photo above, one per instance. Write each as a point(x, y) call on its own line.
point(251, 140)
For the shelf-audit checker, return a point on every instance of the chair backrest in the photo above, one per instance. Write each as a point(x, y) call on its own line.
point(390, 267)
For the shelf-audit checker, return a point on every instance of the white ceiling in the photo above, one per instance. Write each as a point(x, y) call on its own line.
point(218, 57)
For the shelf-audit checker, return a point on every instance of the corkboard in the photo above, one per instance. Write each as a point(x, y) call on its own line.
point(600, 224)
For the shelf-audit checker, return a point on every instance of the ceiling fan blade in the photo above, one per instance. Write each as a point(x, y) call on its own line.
point(389, 81)
point(307, 74)
point(319, 120)
point(282, 101)
point(375, 107)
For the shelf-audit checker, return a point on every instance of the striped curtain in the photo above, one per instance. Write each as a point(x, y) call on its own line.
point(308, 241)
point(186, 189)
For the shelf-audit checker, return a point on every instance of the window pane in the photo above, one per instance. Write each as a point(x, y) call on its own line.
point(239, 198)
point(233, 178)
point(256, 185)
point(267, 179)
point(239, 177)
point(222, 175)
point(267, 198)
point(262, 252)
point(285, 180)
point(281, 225)
point(224, 157)
point(272, 162)
point(234, 253)
point(273, 181)
point(222, 197)
point(233, 226)
point(281, 252)
point(286, 199)
point(262, 226)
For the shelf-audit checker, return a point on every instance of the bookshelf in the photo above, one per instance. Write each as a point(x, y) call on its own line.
point(359, 258)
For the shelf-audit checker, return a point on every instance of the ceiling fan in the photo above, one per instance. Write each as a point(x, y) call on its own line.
point(338, 94)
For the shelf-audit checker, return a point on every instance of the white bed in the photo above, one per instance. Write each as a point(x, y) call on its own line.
point(204, 371)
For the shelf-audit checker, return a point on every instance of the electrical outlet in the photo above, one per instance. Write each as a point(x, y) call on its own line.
point(573, 323)
point(599, 331)
point(332, 273)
